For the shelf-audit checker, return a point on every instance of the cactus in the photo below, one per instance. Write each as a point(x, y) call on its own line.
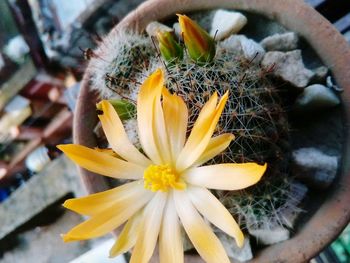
point(273, 202)
point(253, 113)
point(116, 64)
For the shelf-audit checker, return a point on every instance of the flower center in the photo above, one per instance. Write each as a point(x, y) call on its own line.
point(162, 178)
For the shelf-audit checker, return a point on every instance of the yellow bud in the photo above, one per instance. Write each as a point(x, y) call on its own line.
point(200, 45)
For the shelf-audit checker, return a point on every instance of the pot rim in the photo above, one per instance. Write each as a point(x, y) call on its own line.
point(334, 214)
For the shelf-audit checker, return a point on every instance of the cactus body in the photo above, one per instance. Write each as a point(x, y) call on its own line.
point(253, 113)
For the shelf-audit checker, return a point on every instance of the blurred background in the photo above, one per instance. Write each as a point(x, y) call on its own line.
point(43, 49)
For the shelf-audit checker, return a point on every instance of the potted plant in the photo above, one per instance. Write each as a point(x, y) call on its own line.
point(321, 226)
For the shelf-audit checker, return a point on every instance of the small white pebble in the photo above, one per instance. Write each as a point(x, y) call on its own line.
point(177, 29)
point(226, 23)
point(281, 42)
point(316, 168)
point(269, 236)
point(153, 27)
point(316, 97)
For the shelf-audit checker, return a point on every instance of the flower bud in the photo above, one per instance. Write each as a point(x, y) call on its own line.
point(169, 48)
point(200, 45)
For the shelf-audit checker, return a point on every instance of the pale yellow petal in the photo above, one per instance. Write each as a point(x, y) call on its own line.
point(201, 133)
point(116, 136)
point(170, 238)
point(216, 146)
point(176, 118)
point(127, 238)
point(200, 234)
point(226, 176)
point(101, 163)
point(160, 132)
point(93, 204)
point(213, 210)
point(149, 230)
point(110, 218)
point(151, 127)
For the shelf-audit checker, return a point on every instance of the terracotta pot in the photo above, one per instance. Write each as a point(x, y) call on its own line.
point(334, 214)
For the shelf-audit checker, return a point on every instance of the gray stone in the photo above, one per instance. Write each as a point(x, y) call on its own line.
point(177, 29)
point(347, 36)
point(154, 27)
point(314, 167)
point(316, 97)
point(289, 66)
point(320, 74)
point(250, 49)
point(281, 42)
point(233, 43)
point(226, 23)
point(233, 251)
point(330, 84)
point(269, 236)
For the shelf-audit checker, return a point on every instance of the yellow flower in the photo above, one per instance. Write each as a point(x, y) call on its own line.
point(200, 45)
point(170, 185)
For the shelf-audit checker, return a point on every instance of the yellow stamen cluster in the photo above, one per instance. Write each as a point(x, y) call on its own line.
point(162, 178)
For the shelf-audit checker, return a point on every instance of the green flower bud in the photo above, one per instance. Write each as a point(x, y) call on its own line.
point(169, 47)
point(200, 45)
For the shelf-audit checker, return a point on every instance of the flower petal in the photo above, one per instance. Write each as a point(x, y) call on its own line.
point(101, 163)
point(116, 136)
point(160, 132)
point(226, 176)
point(110, 218)
point(212, 209)
point(176, 118)
point(108, 151)
point(151, 127)
point(200, 234)
point(201, 133)
point(127, 237)
point(149, 230)
point(94, 204)
point(216, 145)
point(170, 238)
